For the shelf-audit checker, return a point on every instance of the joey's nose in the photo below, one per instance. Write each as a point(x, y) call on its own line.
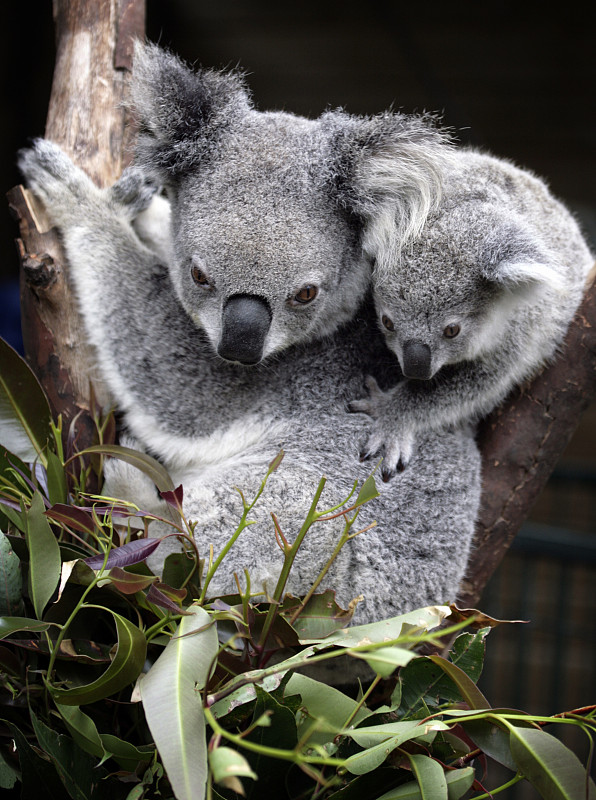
point(416, 358)
point(245, 322)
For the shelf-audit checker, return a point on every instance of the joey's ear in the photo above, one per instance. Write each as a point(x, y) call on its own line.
point(517, 262)
point(389, 171)
point(180, 112)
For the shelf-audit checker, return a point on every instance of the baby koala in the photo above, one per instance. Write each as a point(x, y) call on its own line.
point(476, 305)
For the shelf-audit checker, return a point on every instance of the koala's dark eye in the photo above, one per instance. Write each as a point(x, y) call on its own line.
point(306, 295)
point(387, 322)
point(451, 331)
point(199, 277)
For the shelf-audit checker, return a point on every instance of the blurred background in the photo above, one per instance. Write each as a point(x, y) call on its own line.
point(517, 79)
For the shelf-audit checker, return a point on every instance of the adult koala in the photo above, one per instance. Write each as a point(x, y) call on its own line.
point(257, 330)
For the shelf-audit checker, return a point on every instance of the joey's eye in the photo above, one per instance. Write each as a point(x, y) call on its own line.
point(451, 331)
point(306, 295)
point(387, 322)
point(199, 277)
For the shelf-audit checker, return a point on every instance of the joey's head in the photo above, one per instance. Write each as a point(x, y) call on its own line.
point(473, 278)
point(269, 210)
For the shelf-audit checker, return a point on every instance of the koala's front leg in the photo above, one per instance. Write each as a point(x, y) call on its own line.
point(393, 431)
point(459, 393)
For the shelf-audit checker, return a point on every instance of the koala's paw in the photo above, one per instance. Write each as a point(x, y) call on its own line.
point(54, 179)
point(390, 435)
point(133, 192)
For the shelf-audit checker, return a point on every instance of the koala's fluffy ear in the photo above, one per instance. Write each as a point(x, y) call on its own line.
point(516, 261)
point(389, 172)
point(180, 112)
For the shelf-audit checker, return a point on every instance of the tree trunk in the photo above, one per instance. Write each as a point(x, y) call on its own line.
point(87, 118)
point(520, 442)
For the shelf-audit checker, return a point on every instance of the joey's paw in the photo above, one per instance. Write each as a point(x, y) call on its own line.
point(133, 191)
point(394, 441)
point(54, 179)
point(375, 404)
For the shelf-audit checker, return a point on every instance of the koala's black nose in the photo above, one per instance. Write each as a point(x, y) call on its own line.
point(416, 358)
point(245, 321)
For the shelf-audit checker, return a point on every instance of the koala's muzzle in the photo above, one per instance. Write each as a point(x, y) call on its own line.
point(416, 360)
point(245, 321)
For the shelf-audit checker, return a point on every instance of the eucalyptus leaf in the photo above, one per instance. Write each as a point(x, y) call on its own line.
point(77, 770)
point(492, 740)
point(328, 709)
point(387, 630)
point(56, 479)
point(468, 689)
point(385, 660)
point(125, 555)
point(430, 777)
point(369, 736)
point(25, 415)
point(226, 762)
point(371, 758)
point(552, 769)
point(172, 703)
point(10, 625)
point(11, 585)
point(458, 783)
point(147, 464)
point(36, 772)
point(125, 668)
point(44, 556)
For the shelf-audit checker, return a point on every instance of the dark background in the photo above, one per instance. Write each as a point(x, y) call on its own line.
point(516, 78)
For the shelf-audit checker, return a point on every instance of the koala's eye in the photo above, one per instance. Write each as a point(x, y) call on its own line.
point(306, 295)
point(451, 331)
point(199, 277)
point(387, 322)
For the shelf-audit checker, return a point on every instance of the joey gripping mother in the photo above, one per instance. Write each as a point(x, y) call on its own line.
point(231, 320)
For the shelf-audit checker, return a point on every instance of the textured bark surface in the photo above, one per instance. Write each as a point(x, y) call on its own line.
point(87, 118)
point(522, 441)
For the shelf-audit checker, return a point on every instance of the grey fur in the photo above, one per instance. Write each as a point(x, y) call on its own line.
point(267, 202)
point(502, 259)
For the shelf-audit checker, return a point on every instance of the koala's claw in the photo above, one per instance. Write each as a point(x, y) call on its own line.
point(134, 191)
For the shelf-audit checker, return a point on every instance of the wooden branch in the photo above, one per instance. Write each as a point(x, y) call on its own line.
point(521, 442)
point(87, 118)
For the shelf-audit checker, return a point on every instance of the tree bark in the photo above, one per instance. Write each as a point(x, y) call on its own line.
point(87, 118)
point(522, 440)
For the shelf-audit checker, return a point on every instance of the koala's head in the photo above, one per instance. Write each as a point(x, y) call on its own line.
point(269, 210)
point(458, 291)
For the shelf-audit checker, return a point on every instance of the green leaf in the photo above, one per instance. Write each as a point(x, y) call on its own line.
point(468, 652)
point(552, 769)
point(36, 772)
point(10, 625)
point(78, 772)
point(458, 783)
point(8, 774)
point(320, 617)
point(468, 689)
point(24, 411)
point(226, 763)
point(371, 758)
point(383, 739)
point(11, 585)
point(172, 703)
point(492, 740)
point(328, 709)
point(430, 777)
point(147, 464)
point(101, 745)
point(368, 736)
point(386, 660)
point(57, 489)
point(275, 727)
point(422, 619)
point(125, 668)
point(368, 491)
point(44, 556)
